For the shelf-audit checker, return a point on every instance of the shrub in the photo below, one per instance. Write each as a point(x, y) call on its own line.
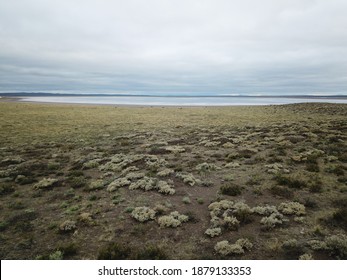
point(165, 172)
point(244, 243)
point(46, 183)
point(315, 186)
point(165, 188)
point(96, 185)
point(264, 210)
point(290, 181)
point(151, 252)
point(224, 248)
point(339, 218)
point(273, 220)
point(24, 180)
point(77, 182)
point(186, 200)
point(114, 251)
point(231, 189)
point(91, 164)
point(292, 249)
point(5, 189)
point(187, 178)
point(242, 212)
point(67, 226)
point(310, 202)
point(173, 220)
point(292, 208)
point(231, 223)
point(143, 214)
point(57, 255)
point(306, 256)
point(312, 166)
point(118, 183)
point(68, 250)
point(337, 246)
point(212, 232)
point(206, 167)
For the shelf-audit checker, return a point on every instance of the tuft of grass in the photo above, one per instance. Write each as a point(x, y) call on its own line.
point(290, 181)
point(339, 218)
point(315, 186)
point(282, 191)
point(230, 189)
point(68, 250)
point(151, 252)
point(6, 189)
point(114, 251)
point(77, 182)
point(200, 200)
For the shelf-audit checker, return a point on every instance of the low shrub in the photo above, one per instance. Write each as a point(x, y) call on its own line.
point(339, 218)
point(291, 181)
point(337, 246)
point(114, 251)
point(175, 219)
point(231, 189)
point(6, 189)
point(151, 252)
point(282, 192)
point(225, 248)
point(143, 214)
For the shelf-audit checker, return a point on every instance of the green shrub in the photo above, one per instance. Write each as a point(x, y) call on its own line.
point(6, 189)
point(114, 251)
point(68, 250)
point(57, 255)
point(312, 166)
point(315, 186)
point(290, 181)
point(339, 218)
point(77, 182)
point(337, 246)
point(231, 189)
point(292, 249)
point(151, 252)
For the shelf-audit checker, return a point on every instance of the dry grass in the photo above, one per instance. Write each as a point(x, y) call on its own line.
point(273, 154)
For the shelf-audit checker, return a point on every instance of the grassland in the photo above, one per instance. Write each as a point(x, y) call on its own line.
point(256, 182)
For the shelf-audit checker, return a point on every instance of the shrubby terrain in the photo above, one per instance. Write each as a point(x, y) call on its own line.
point(105, 182)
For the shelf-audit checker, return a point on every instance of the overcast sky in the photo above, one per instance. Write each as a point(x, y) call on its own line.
point(210, 46)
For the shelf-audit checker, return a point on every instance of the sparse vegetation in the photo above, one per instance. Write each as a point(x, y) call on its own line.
point(72, 178)
point(230, 189)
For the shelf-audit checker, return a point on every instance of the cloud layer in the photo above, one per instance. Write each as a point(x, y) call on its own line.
point(212, 46)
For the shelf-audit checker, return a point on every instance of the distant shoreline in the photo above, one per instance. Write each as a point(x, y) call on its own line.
point(171, 101)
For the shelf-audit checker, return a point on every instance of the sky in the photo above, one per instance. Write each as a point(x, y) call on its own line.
point(180, 46)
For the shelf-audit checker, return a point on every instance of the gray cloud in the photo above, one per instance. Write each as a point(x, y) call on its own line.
point(222, 46)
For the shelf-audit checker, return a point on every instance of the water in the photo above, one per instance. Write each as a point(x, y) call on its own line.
point(182, 101)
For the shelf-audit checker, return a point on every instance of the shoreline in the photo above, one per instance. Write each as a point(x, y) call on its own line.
point(18, 99)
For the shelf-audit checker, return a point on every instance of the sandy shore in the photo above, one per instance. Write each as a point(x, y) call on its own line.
point(244, 182)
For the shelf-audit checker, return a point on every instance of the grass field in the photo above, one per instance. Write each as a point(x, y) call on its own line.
point(106, 182)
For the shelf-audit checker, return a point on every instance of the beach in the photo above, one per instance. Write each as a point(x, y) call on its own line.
point(83, 181)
